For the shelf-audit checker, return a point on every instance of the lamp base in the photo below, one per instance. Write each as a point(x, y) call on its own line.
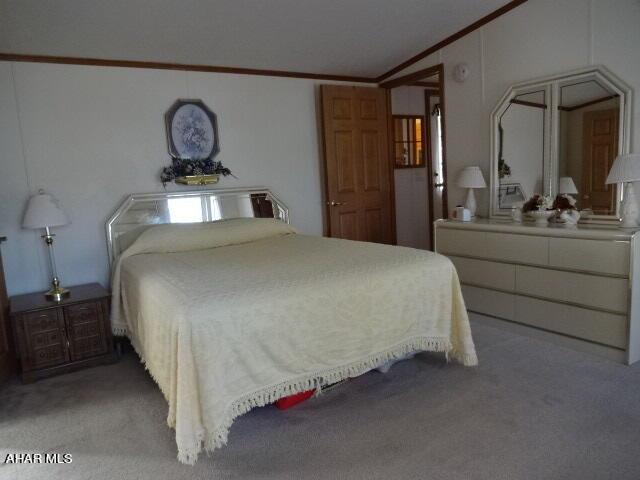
point(57, 293)
point(470, 204)
point(630, 211)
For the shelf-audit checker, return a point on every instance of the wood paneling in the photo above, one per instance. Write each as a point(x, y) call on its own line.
point(357, 164)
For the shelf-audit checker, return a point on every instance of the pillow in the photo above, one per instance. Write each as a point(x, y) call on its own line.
point(183, 237)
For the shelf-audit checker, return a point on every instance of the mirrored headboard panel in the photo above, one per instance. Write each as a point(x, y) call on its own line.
point(560, 135)
point(139, 211)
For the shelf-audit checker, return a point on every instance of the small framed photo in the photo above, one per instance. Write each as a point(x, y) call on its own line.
point(509, 194)
point(192, 130)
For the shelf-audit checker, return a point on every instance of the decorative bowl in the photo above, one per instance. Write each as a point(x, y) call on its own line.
point(541, 217)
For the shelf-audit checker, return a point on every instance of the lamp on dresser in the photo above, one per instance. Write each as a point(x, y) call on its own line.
point(43, 211)
point(471, 178)
point(566, 185)
point(626, 170)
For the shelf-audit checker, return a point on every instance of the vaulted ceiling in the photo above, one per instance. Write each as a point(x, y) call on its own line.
point(342, 37)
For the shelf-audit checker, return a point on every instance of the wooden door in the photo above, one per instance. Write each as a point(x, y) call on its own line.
point(600, 148)
point(7, 356)
point(359, 193)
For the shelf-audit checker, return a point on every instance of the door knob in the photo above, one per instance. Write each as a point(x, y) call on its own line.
point(336, 204)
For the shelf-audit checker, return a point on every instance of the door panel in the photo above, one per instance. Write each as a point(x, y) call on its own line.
point(358, 171)
point(372, 163)
point(600, 147)
point(373, 224)
point(348, 224)
point(345, 162)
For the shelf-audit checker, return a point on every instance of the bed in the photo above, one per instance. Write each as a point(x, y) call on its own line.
point(230, 308)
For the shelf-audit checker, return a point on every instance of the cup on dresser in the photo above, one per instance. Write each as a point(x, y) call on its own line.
point(461, 214)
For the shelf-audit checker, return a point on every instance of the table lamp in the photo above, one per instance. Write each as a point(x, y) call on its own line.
point(566, 185)
point(626, 169)
point(471, 178)
point(43, 211)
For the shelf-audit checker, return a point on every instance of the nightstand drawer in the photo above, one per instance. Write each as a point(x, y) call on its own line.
point(86, 330)
point(43, 321)
point(45, 339)
point(83, 313)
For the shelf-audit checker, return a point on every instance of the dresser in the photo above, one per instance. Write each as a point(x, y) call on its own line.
point(574, 286)
point(58, 337)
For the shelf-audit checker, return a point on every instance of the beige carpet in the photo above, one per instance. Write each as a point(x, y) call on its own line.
point(531, 410)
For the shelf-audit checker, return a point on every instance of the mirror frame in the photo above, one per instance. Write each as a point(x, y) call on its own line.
point(552, 84)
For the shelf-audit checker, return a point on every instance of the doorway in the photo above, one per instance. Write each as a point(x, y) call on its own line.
point(420, 171)
point(358, 174)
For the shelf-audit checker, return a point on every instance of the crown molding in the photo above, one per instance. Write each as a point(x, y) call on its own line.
point(101, 62)
point(452, 38)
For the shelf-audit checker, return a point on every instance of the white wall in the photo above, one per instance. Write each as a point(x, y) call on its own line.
point(92, 135)
point(538, 38)
point(412, 224)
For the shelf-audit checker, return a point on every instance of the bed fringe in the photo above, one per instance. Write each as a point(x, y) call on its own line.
point(218, 438)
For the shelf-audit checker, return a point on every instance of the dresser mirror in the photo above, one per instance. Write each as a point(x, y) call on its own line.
point(558, 135)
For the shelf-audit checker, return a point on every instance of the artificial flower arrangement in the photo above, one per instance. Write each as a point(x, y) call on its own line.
point(538, 203)
point(540, 208)
point(568, 213)
point(181, 168)
point(564, 202)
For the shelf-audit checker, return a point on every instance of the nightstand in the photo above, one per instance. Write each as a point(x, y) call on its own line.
point(59, 337)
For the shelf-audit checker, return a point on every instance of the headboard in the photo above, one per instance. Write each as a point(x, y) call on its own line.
point(140, 211)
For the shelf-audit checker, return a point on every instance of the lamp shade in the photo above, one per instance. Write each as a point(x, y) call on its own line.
point(566, 185)
point(43, 211)
point(625, 168)
point(471, 177)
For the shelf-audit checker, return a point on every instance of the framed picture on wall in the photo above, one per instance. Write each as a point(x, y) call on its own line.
point(192, 130)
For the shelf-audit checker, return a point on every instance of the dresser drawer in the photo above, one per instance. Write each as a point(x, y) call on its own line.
point(495, 246)
point(588, 290)
point(605, 328)
point(611, 257)
point(461, 242)
point(489, 302)
point(485, 273)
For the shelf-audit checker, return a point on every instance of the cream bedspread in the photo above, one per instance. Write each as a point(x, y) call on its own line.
point(266, 313)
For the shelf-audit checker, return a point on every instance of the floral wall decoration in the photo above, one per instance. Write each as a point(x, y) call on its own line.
point(192, 138)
